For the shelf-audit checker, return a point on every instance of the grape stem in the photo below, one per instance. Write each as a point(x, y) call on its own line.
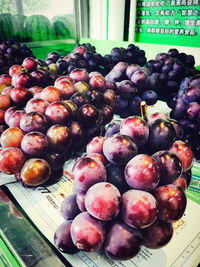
point(143, 110)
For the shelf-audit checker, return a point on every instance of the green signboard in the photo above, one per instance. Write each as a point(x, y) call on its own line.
point(171, 22)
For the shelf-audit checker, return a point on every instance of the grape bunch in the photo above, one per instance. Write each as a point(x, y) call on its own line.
point(131, 55)
point(132, 85)
point(186, 109)
point(85, 56)
point(128, 189)
point(41, 128)
point(82, 56)
point(168, 70)
point(11, 53)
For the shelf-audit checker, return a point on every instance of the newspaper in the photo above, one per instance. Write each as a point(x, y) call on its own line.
point(42, 205)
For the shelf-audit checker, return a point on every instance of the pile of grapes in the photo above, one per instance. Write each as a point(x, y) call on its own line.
point(186, 109)
point(128, 189)
point(82, 56)
point(169, 69)
point(133, 85)
point(11, 53)
point(41, 128)
point(85, 56)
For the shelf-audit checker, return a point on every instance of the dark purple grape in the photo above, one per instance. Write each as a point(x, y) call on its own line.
point(162, 135)
point(134, 105)
point(192, 110)
point(157, 234)
point(170, 166)
point(113, 128)
point(115, 176)
point(63, 240)
point(192, 94)
point(69, 207)
point(150, 97)
point(125, 248)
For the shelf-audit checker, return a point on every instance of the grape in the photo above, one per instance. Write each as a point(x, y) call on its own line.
point(63, 240)
point(142, 172)
point(171, 201)
point(11, 137)
point(122, 242)
point(126, 89)
point(55, 159)
point(139, 78)
point(150, 97)
point(136, 128)
point(139, 208)
point(58, 113)
point(97, 82)
point(94, 96)
point(191, 94)
point(113, 128)
point(69, 207)
point(88, 171)
point(79, 75)
point(79, 99)
point(35, 171)
point(131, 69)
point(9, 112)
point(33, 121)
point(97, 156)
point(162, 135)
point(87, 232)
point(15, 118)
point(157, 234)
point(80, 200)
point(11, 160)
point(34, 144)
point(36, 105)
point(102, 201)
point(170, 166)
point(88, 115)
point(5, 102)
point(95, 145)
point(51, 94)
point(115, 176)
point(59, 137)
point(192, 111)
point(183, 152)
point(134, 105)
point(108, 113)
point(119, 149)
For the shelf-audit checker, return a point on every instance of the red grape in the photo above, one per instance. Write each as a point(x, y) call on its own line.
point(171, 201)
point(142, 172)
point(139, 208)
point(88, 171)
point(102, 201)
point(35, 172)
point(11, 160)
point(87, 233)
